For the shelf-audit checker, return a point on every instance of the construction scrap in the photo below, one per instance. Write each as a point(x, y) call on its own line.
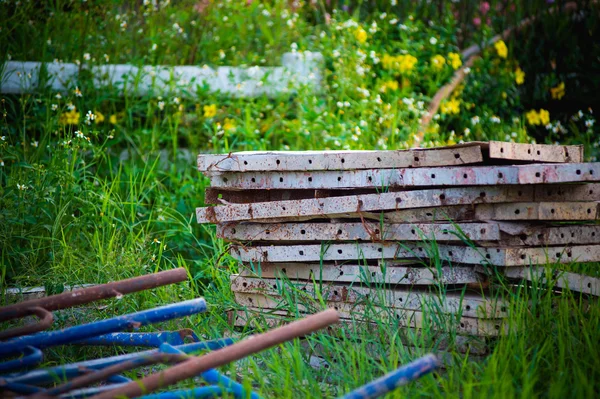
point(404, 235)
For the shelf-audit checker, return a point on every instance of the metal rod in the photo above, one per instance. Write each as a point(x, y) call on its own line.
point(396, 378)
point(46, 339)
point(91, 294)
point(196, 365)
point(46, 320)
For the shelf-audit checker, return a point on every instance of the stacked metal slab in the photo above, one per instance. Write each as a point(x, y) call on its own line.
point(412, 235)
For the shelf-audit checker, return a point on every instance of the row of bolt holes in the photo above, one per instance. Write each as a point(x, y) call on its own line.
point(343, 160)
point(370, 178)
point(442, 198)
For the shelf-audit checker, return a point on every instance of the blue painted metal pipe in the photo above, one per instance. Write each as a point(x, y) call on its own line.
point(31, 356)
point(68, 371)
point(212, 376)
point(153, 340)
point(396, 378)
point(72, 334)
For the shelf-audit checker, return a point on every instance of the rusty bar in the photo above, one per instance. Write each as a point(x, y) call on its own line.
point(412, 177)
point(365, 203)
point(95, 293)
point(46, 319)
point(239, 350)
point(536, 152)
point(497, 256)
point(371, 231)
point(338, 160)
point(561, 279)
point(410, 298)
point(406, 275)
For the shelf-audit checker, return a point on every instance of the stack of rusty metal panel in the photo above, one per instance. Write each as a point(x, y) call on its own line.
point(389, 233)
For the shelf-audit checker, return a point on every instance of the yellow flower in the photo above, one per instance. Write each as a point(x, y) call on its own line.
point(501, 49)
point(558, 92)
point(454, 60)
point(360, 34)
point(210, 110)
point(401, 63)
point(390, 84)
point(437, 62)
point(450, 107)
point(504, 95)
point(228, 124)
point(113, 119)
point(69, 118)
point(519, 76)
point(544, 117)
point(99, 117)
point(538, 118)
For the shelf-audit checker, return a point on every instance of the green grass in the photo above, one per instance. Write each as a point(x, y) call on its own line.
point(72, 211)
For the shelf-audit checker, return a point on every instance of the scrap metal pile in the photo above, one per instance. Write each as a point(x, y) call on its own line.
point(346, 226)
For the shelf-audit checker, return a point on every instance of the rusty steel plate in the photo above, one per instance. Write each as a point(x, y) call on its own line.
point(472, 305)
point(405, 275)
point(560, 279)
point(568, 192)
point(412, 177)
point(271, 318)
point(535, 235)
point(535, 152)
point(337, 160)
point(322, 207)
point(370, 231)
point(453, 253)
point(405, 318)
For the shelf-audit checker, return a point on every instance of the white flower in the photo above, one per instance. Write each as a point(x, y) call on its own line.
point(161, 105)
point(394, 3)
point(378, 99)
point(266, 13)
point(363, 123)
point(77, 92)
point(383, 15)
point(176, 100)
point(373, 27)
point(35, 144)
point(87, 56)
point(154, 47)
point(21, 187)
point(89, 117)
point(3, 138)
point(58, 96)
point(335, 53)
point(474, 120)
point(49, 41)
point(467, 70)
point(494, 119)
point(156, 241)
point(294, 47)
point(589, 122)
point(1, 162)
point(354, 137)
point(393, 21)
point(467, 131)
point(432, 41)
point(514, 135)
point(54, 107)
point(106, 57)
point(346, 104)
point(340, 104)
point(221, 54)
point(79, 134)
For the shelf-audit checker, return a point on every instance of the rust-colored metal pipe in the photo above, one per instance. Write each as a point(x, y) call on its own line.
point(46, 319)
point(195, 365)
point(95, 293)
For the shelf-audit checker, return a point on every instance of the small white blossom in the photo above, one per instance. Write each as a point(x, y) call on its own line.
point(393, 21)
point(589, 122)
point(467, 70)
point(494, 119)
point(474, 120)
point(3, 138)
point(54, 107)
point(35, 144)
point(87, 56)
point(21, 187)
point(106, 57)
point(176, 100)
point(58, 96)
point(79, 134)
point(432, 41)
point(161, 105)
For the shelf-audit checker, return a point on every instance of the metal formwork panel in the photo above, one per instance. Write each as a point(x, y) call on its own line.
point(273, 318)
point(406, 275)
point(560, 279)
point(358, 231)
point(405, 318)
point(411, 177)
point(532, 235)
point(538, 211)
point(364, 203)
point(391, 251)
point(568, 192)
point(470, 305)
point(338, 160)
point(535, 152)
